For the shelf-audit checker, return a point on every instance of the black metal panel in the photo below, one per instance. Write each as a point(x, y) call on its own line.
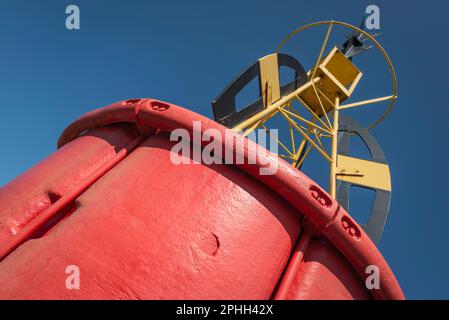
point(381, 205)
point(285, 60)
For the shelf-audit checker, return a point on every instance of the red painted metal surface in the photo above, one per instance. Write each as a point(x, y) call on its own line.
point(140, 227)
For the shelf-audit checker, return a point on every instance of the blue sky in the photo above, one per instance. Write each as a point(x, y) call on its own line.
point(186, 52)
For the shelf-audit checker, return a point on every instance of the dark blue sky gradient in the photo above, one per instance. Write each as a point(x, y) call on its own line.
point(186, 52)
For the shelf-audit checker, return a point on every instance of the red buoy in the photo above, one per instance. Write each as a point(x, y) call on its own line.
point(137, 226)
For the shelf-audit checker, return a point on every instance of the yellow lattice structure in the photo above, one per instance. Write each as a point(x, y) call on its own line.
point(330, 82)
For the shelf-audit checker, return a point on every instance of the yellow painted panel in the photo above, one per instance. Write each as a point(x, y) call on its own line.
point(363, 172)
point(269, 79)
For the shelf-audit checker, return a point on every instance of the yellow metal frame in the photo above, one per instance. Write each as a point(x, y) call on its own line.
point(391, 97)
point(320, 78)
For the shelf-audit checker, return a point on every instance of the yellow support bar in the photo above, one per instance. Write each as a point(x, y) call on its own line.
point(365, 102)
point(268, 111)
point(333, 170)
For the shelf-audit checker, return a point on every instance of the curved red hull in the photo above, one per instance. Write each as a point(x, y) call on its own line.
point(137, 226)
